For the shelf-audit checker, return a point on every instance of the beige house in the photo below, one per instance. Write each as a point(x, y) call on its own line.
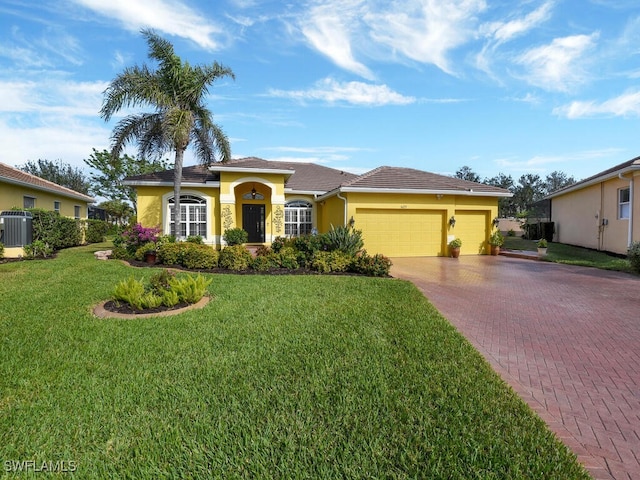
point(401, 211)
point(22, 190)
point(601, 212)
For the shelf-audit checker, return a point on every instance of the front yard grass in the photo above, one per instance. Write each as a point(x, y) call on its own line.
point(278, 377)
point(571, 255)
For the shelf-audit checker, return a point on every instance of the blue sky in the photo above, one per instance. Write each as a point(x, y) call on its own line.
point(501, 86)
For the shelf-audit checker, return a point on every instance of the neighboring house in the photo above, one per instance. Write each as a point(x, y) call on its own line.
point(401, 211)
point(22, 190)
point(601, 212)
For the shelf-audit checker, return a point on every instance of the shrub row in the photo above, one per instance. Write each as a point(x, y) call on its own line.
point(189, 255)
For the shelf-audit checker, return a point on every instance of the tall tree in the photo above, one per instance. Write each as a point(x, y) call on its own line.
point(58, 172)
point(110, 172)
point(176, 91)
point(466, 173)
point(117, 211)
point(506, 206)
point(530, 189)
point(557, 180)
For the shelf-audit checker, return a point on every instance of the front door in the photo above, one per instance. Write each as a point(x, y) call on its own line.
point(253, 222)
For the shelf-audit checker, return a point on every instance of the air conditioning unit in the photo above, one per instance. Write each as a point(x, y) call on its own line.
point(16, 227)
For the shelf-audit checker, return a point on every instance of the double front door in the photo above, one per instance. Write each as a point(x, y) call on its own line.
point(253, 222)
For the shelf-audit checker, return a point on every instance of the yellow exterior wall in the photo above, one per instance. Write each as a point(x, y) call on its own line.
point(12, 196)
point(574, 215)
point(473, 216)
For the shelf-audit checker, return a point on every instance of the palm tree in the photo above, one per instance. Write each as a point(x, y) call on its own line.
point(176, 91)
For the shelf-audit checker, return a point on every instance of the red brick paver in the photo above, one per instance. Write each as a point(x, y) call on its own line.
point(567, 340)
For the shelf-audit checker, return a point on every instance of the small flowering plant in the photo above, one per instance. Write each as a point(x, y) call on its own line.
point(135, 236)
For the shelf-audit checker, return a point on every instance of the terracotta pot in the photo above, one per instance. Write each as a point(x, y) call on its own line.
point(455, 252)
point(150, 257)
point(495, 250)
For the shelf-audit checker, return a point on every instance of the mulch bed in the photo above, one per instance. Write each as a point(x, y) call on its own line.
point(125, 308)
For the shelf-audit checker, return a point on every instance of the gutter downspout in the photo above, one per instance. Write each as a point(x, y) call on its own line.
point(345, 207)
point(630, 234)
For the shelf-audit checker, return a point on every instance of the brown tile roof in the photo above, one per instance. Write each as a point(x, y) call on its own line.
point(399, 178)
point(13, 175)
point(613, 171)
point(310, 177)
point(193, 174)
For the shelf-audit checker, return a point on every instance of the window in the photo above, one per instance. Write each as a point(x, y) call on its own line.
point(76, 212)
point(297, 218)
point(623, 203)
point(56, 207)
point(28, 202)
point(194, 216)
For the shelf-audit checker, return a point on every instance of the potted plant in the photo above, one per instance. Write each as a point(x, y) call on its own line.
point(496, 240)
point(454, 247)
point(542, 246)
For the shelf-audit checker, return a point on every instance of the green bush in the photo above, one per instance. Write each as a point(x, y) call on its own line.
point(288, 258)
point(307, 246)
point(96, 231)
point(1, 250)
point(119, 253)
point(195, 239)
point(55, 230)
point(373, 266)
point(280, 242)
point(264, 263)
point(346, 239)
point(334, 261)
point(171, 253)
point(144, 249)
point(235, 236)
point(235, 257)
point(164, 289)
point(198, 256)
point(633, 255)
point(37, 249)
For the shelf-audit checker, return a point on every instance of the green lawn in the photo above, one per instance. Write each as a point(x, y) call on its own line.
point(278, 377)
point(561, 253)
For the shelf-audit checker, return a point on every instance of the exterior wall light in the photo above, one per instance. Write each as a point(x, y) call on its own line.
point(452, 221)
point(496, 222)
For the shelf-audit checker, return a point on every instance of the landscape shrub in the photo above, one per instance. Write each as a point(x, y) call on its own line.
point(55, 230)
point(195, 239)
point(199, 256)
point(235, 257)
point(262, 251)
point(164, 288)
point(119, 253)
point(334, 261)
point(1, 250)
point(373, 266)
point(37, 249)
point(633, 255)
point(135, 236)
point(287, 257)
point(307, 246)
point(235, 236)
point(264, 263)
point(143, 250)
point(279, 243)
point(171, 253)
point(346, 239)
point(95, 231)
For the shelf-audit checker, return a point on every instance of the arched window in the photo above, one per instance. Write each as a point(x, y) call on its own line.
point(194, 216)
point(297, 218)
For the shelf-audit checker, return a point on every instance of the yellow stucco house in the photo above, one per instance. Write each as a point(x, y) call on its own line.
point(21, 190)
point(600, 212)
point(401, 211)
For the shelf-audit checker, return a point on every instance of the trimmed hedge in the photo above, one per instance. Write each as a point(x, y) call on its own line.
point(188, 255)
point(96, 230)
point(55, 230)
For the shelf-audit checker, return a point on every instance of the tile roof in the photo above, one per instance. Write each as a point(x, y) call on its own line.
point(13, 175)
point(634, 163)
point(310, 177)
point(399, 178)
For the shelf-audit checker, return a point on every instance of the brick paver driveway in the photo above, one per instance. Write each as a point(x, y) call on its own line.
point(567, 339)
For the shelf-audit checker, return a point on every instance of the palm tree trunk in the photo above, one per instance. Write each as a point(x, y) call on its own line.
point(177, 180)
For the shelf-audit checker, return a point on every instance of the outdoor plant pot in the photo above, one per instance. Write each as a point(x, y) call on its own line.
point(150, 257)
point(455, 252)
point(495, 250)
point(542, 251)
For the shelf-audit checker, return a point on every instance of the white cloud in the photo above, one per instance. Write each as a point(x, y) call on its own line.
point(625, 105)
point(539, 162)
point(426, 31)
point(560, 64)
point(356, 93)
point(502, 32)
point(172, 17)
point(327, 28)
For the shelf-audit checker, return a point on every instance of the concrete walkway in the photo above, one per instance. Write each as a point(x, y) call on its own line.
point(567, 340)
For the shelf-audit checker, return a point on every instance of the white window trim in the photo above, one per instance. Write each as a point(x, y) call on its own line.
point(622, 204)
point(166, 215)
point(77, 208)
point(24, 197)
point(304, 200)
point(59, 203)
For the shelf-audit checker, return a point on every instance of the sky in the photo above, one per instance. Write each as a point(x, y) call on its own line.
point(503, 86)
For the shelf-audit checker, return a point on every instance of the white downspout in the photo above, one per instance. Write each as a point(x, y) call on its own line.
point(345, 207)
point(630, 233)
